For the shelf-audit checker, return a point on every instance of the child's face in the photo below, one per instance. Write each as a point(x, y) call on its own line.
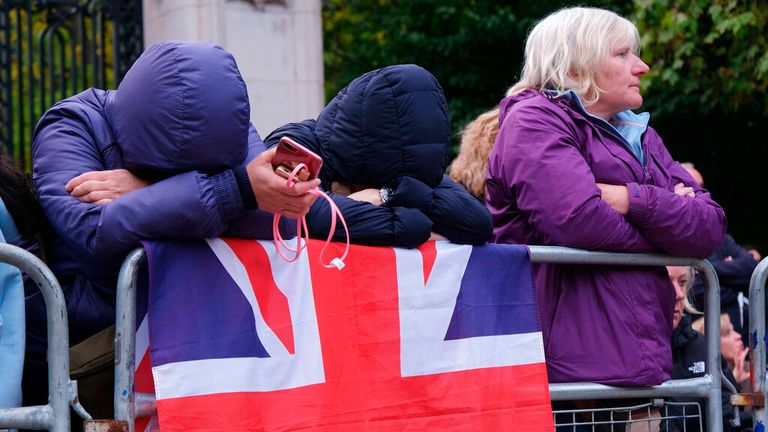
point(730, 343)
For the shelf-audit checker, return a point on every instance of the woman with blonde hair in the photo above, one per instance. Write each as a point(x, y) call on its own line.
point(574, 166)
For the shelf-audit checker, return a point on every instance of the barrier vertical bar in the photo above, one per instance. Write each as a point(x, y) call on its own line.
point(712, 337)
point(55, 415)
point(125, 338)
point(757, 339)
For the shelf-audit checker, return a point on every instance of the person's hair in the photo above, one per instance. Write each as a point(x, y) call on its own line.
point(564, 50)
point(688, 306)
point(725, 322)
point(19, 197)
point(477, 139)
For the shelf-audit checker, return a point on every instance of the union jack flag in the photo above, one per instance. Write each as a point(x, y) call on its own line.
point(444, 337)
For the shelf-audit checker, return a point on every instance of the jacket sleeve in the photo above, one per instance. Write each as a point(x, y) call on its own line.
point(370, 224)
point(678, 225)
point(537, 165)
point(459, 216)
point(190, 205)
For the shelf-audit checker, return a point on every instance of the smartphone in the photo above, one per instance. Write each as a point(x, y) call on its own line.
point(289, 154)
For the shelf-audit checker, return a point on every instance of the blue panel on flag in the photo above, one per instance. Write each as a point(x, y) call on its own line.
point(496, 295)
point(195, 305)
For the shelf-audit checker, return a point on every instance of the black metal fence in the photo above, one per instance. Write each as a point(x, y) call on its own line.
point(52, 49)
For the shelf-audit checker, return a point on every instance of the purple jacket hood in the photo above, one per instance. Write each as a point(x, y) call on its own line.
point(181, 106)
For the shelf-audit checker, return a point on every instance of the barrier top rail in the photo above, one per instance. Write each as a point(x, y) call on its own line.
point(62, 391)
point(129, 406)
point(757, 340)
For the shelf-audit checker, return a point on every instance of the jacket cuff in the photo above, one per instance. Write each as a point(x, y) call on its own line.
point(244, 187)
point(639, 212)
point(227, 194)
point(412, 193)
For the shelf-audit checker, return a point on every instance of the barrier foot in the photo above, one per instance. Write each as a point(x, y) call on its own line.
point(74, 402)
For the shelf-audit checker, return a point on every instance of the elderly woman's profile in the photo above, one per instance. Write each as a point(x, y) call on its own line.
point(574, 166)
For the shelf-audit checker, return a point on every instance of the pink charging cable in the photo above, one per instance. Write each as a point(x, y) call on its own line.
point(301, 242)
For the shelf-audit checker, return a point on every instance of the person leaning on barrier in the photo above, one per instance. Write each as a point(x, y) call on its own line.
point(689, 357)
point(574, 166)
point(384, 140)
point(170, 154)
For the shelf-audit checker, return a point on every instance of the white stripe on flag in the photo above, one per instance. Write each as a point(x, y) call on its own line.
point(426, 312)
point(142, 342)
point(277, 372)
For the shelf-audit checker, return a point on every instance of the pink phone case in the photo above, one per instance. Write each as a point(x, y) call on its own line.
point(290, 153)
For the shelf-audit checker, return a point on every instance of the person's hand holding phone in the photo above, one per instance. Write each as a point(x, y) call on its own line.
point(292, 158)
point(273, 194)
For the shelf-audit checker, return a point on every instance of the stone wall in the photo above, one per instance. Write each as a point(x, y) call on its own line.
point(277, 44)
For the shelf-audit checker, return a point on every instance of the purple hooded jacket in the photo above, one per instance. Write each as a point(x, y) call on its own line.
point(606, 324)
point(179, 117)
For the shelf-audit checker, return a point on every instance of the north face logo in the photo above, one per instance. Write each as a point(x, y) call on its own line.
point(697, 367)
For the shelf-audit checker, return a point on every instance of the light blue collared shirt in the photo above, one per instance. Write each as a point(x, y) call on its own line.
point(628, 125)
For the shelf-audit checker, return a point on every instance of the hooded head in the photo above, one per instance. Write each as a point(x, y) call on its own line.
point(387, 123)
point(181, 106)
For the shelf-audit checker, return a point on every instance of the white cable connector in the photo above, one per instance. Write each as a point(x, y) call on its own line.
point(338, 263)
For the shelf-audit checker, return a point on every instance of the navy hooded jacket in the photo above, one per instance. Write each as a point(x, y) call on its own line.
point(179, 117)
point(390, 127)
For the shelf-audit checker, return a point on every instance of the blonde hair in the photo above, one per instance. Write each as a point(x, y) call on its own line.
point(725, 324)
point(564, 50)
point(477, 139)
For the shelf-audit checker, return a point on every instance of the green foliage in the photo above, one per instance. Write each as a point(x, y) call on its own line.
point(705, 56)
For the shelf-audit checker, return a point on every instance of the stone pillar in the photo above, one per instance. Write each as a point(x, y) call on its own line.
point(278, 46)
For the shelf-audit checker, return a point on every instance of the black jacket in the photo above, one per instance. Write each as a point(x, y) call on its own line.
point(734, 275)
point(689, 354)
point(390, 127)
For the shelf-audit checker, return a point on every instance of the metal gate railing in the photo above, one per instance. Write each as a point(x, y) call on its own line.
point(706, 387)
point(62, 391)
point(53, 49)
point(129, 406)
point(757, 341)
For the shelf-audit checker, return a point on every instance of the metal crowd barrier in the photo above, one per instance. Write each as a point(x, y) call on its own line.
point(706, 387)
point(61, 390)
point(757, 341)
point(129, 406)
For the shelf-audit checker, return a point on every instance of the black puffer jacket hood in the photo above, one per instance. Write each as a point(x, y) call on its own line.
point(386, 124)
